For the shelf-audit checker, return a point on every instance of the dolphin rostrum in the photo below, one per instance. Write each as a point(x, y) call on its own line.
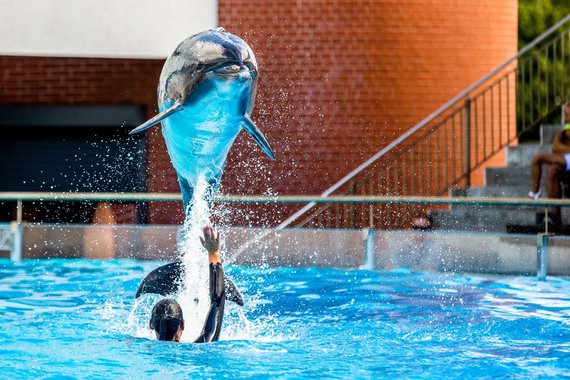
point(206, 94)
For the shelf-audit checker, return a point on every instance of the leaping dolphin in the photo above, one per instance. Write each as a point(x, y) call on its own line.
point(206, 95)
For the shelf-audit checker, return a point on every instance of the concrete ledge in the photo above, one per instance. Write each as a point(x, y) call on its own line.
point(100, 241)
point(456, 252)
point(434, 250)
point(298, 247)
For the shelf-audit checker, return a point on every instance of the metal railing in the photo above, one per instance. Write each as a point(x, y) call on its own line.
point(444, 149)
point(20, 197)
point(344, 202)
point(12, 233)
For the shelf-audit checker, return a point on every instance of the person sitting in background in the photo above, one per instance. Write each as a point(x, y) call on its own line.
point(167, 319)
point(558, 163)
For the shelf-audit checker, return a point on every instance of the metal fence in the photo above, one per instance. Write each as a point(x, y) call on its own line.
point(12, 233)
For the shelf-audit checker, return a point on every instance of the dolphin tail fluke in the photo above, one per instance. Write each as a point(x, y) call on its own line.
point(256, 134)
point(232, 291)
point(157, 119)
point(163, 280)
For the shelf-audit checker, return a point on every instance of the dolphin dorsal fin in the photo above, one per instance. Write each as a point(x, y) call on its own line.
point(158, 118)
point(256, 134)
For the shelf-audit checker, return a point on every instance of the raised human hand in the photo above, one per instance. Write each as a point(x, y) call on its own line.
point(211, 241)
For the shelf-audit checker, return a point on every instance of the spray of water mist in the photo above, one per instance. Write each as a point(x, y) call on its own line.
point(194, 294)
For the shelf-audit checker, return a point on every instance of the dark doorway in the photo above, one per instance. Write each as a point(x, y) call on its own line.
point(70, 149)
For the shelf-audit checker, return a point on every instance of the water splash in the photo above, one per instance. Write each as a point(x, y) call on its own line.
point(193, 296)
point(237, 326)
point(134, 322)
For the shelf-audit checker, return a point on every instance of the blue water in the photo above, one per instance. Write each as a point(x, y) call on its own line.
point(78, 319)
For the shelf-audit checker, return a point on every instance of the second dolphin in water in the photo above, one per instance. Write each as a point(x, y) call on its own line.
point(206, 95)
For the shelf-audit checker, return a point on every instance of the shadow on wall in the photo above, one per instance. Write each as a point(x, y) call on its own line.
point(99, 239)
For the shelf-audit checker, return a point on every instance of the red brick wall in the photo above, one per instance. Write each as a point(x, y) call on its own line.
point(78, 81)
point(339, 80)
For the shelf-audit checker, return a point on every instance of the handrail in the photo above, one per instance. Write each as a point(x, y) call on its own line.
point(79, 196)
point(438, 112)
point(445, 107)
point(367, 199)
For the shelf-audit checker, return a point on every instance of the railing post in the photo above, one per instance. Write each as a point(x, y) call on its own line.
point(17, 229)
point(17, 237)
point(370, 255)
point(467, 142)
point(353, 207)
point(541, 256)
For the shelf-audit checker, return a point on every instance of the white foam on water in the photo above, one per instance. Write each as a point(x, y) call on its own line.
point(238, 326)
point(194, 296)
point(135, 322)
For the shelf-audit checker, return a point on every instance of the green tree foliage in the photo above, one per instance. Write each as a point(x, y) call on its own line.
point(543, 75)
point(535, 16)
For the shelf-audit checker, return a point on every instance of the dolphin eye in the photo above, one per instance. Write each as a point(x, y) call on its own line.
point(200, 66)
point(228, 70)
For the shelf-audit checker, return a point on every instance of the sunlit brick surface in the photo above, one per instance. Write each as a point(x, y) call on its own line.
point(341, 79)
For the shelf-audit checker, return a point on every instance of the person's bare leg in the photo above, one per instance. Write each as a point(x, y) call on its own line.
point(553, 188)
point(536, 172)
point(540, 159)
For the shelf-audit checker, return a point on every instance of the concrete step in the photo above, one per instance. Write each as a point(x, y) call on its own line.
point(521, 155)
point(492, 192)
point(515, 176)
point(481, 219)
point(489, 219)
point(547, 133)
point(512, 181)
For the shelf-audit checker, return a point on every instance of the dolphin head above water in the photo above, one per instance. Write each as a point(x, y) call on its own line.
point(206, 94)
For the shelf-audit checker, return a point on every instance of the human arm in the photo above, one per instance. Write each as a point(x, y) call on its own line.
point(213, 323)
point(561, 143)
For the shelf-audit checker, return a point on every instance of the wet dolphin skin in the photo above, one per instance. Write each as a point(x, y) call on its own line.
point(206, 94)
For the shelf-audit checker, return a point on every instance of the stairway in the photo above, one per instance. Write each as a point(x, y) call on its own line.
point(511, 181)
point(495, 110)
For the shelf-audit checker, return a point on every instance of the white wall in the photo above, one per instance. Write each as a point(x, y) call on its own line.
point(101, 28)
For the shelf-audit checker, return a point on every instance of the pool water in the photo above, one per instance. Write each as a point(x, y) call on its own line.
point(79, 319)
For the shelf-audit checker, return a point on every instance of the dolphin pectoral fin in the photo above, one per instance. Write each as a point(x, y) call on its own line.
point(256, 134)
point(157, 119)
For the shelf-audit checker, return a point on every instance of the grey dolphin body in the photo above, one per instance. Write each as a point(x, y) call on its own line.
point(206, 95)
